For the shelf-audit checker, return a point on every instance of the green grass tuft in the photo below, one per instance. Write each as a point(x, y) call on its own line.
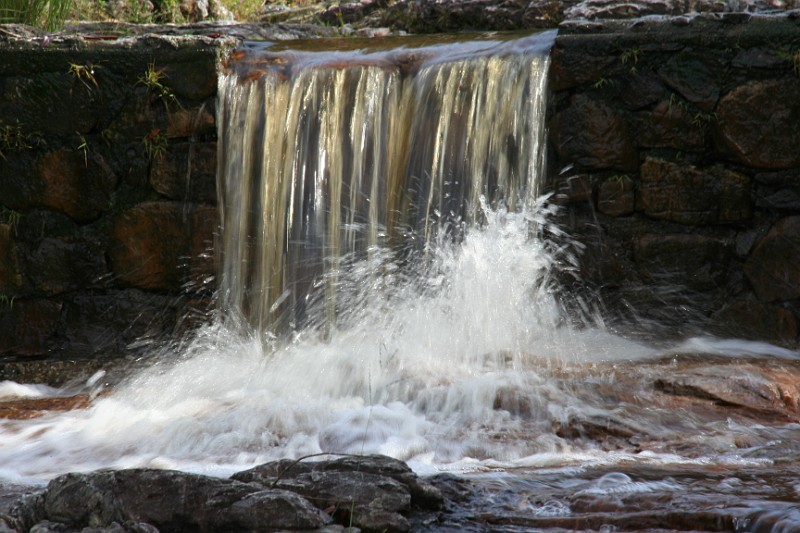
point(49, 15)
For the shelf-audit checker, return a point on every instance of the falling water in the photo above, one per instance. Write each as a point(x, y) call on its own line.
point(390, 283)
point(331, 156)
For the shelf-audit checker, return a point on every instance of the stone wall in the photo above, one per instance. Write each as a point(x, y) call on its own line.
point(676, 149)
point(107, 193)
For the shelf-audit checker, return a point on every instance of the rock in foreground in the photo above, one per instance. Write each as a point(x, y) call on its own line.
point(370, 493)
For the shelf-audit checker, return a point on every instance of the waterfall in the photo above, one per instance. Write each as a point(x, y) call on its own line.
point(330, 156)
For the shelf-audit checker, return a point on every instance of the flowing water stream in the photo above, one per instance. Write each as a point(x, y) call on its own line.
point(390, 284)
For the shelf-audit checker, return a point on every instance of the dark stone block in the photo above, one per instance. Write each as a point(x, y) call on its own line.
point(670, 125)
point(615, 197)
point(751, 319)
point(29, 327)
point(187, 171)
point(693, 261)
point(757, 124)
point(688, 195)
point(108, 323)
point(695, 76)
point(10, 275)
point(593, 135)
point(774, 266)
point(61, 264)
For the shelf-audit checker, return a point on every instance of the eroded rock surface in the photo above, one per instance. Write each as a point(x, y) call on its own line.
point(369, 493)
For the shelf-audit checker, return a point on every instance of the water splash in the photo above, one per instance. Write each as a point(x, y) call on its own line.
point(327, 156)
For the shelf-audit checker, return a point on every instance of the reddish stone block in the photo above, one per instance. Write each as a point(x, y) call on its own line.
point(76, 184)
point(157, 245)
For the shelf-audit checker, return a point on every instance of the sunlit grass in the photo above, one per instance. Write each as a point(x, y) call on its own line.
point(47, 14)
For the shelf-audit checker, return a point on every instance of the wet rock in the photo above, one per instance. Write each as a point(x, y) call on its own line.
point(28, 99)
point(371, 492)
point(187, 171)
point(23, 409)
point(753, 389)
point(62, 264)
point(166, 499)
point(141, 499)
point(29, 327)
point(593, 135)
point(686, 194)
point(162, 245)
point(195, 80)
point(693, 261)
point(774, 266)
point(135, 317)
point(369, 501)
point(198, 121)
point(273, 509)
point(615, 196)
point(755, 128)
point(10, 275)
point(751, 319)
point(573, 189)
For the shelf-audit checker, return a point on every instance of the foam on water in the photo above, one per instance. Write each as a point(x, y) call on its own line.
point(415, 372)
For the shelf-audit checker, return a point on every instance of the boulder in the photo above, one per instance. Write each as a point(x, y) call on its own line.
point(373, 492)
point(174, 501)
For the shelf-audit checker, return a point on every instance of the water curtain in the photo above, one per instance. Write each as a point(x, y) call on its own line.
point(328, 156)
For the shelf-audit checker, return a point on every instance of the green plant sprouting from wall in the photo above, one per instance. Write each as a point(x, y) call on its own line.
point(85, 74)
point(7, 301)
point(155, 143)
point(9, 216)
point(49, 15)
point(603, 82)
point(630, 57)
point(153, 80)
point(84, 148)
point(12, 138)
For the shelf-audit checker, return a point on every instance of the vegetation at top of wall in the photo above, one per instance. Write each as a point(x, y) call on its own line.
point(47, 14)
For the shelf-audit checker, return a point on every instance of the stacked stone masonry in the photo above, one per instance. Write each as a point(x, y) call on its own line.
point(107, 193)
point(676, 149)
